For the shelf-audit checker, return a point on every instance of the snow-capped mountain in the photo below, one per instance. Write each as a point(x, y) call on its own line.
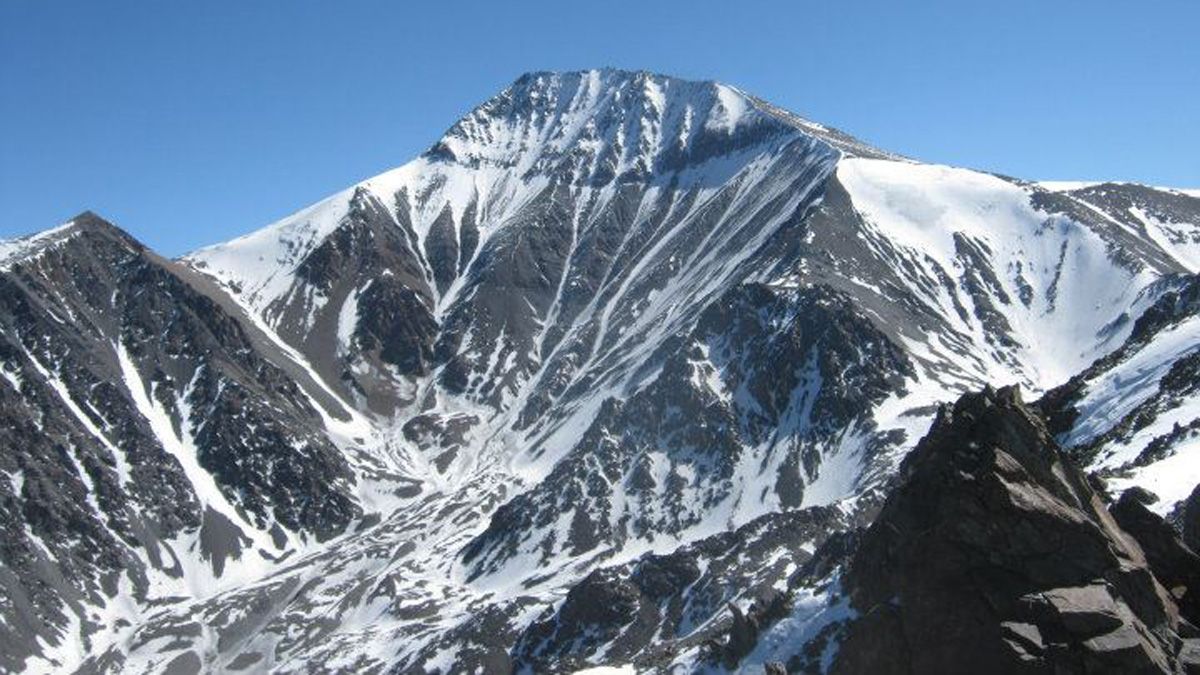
point(618, 353)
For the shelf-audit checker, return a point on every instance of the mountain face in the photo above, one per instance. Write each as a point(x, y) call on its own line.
point(618, 371)
point(151, 445)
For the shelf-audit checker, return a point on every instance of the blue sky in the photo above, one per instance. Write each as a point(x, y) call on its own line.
point(190, 123)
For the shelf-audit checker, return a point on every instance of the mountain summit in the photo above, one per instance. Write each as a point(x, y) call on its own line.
point(605, 376)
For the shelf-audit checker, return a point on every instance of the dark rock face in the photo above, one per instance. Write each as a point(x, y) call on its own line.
point(370, 265)
point(102, 494)
point(995, 555)
point(1191, 520)
point(395, 323)
point(1173, 563)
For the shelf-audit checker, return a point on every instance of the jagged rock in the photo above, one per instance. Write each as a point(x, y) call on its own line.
point(995, 555)
point(99, 417)
point(1084, 611)
point(743, 635)
point(1141, 495)
point(1175, 565)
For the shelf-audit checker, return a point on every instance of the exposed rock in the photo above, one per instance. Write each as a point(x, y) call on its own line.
point(1191, 520)
point(659, 605)
point(98, 416)
point(743, 635)
point(995, 555)
point(837, 364)
point(1175, 565)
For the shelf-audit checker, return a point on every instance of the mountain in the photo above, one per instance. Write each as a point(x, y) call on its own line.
point(153, 448)
point(618, 356)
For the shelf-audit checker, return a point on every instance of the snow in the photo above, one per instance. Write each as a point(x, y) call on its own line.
point(260, 267)
point(1119, 390)
point(608, 670)
point(15, 250)
point(618, 349)
point(812, 609)
point(1180, 240)
point(1171, 480)
point(69, 650)
point(730, 109)
point(923, 211)
point(13, 379)
point(348, 319)
point(496, 169)
point(1072, 185)
point(443, 660)
point(840, 469)
point(17, 482)
point(343, 430)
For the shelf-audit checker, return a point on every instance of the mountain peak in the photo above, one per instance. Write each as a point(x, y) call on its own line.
point(629, 124)
point(89, 220)
point(598, 125)
point(595, 375)
point(91, 223)
point(14, 250)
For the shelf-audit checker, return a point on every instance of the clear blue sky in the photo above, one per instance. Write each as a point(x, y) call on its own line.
point(188, 123)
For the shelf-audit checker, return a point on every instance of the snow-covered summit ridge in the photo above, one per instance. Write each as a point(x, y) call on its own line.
point(606, 124)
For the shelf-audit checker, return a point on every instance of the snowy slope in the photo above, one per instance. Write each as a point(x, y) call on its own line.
point(1038, 289)
point(1133, 416)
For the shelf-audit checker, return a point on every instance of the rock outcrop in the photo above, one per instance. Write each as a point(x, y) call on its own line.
point(1175, 565)
point(995, 555)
